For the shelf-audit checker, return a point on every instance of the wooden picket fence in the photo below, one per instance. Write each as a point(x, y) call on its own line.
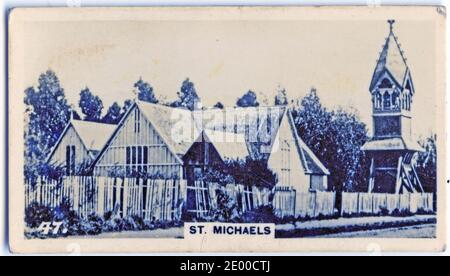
point(161, 200)
point(149, 199)
point(246, 198)
point(164, 200)
point(290, 203)
point(366, 203)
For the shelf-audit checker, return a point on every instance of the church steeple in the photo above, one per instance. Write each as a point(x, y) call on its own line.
point(391, 148)
point(392, 90)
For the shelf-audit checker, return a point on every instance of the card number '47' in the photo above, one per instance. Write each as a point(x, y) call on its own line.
point(54, 227)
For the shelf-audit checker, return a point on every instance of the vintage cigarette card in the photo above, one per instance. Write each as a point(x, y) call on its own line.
point(226, 129)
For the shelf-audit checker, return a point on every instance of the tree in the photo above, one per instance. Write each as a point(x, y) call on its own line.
point(126, 105)
point(427, 163)
point(113, 115)
point(219, 105)
point(187, 95)
point(145, 92)
point(281, 98)
point(336, 137)
point(91, 106)
point(248, 100)
point(48, 115)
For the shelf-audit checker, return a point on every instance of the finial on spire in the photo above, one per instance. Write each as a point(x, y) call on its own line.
point(391, 24)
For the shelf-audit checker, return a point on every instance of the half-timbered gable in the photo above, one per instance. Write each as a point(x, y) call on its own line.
point(79, 144)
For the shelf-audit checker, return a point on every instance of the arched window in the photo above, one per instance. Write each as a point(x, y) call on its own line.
point(378, 100)
point(408, 102)
point(395, 99)
point(386, 100)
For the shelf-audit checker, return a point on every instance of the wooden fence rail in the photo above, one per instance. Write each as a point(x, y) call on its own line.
point(165, 200)
point(365, 203)
point(161, 200)
point(203, 197)
point(289, 203)
point(148, 199)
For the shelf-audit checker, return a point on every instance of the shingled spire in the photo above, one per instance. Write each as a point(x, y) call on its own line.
point(392, 60)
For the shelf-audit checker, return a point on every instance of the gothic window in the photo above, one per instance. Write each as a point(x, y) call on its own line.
point(379, 100)
point(385, 83)
point(403, 101)
point(395, 99)
point(386, 100)
point(408, 103)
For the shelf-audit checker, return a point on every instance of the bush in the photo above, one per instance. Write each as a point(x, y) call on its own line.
point(36, 214)
point(261, 215)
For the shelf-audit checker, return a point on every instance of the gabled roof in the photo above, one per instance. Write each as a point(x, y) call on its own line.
point(93, 136)
point(231, 146)
point(391, 59)
point(311, 164)
point(180, 128)
point(252, 122)
point(175, 125)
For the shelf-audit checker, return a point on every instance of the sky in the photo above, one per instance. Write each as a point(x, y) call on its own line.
point(225, 59)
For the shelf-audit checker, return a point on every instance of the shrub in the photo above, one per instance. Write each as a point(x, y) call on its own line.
point(36, 214)
point(261, 215)
point(227, 209)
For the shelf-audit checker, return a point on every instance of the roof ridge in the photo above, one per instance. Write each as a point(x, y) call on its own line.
point(91, 122)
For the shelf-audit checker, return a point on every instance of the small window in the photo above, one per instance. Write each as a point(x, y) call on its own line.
point(137, 121)
point(386, 100)
point(70, 160)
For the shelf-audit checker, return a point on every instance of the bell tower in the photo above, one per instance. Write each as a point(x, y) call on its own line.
point(391, 150)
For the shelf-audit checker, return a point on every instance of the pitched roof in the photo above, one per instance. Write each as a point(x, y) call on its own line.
point(229, 145)
point(392, 144)
point(311, 164)
point(175, 125)
point(247, 127)
point(259, 125)
point(391, 59)
point(93, 135)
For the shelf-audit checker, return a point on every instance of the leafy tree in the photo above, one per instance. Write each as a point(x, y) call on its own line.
point(145, 92)
point(219, 105)
point(248, 100)
point(336, 137)
point(113, 115)
point(48, 114)
point(91, 106)
point(187, 95)
point(126, 105)
point(281, 98)
point(427, 163)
